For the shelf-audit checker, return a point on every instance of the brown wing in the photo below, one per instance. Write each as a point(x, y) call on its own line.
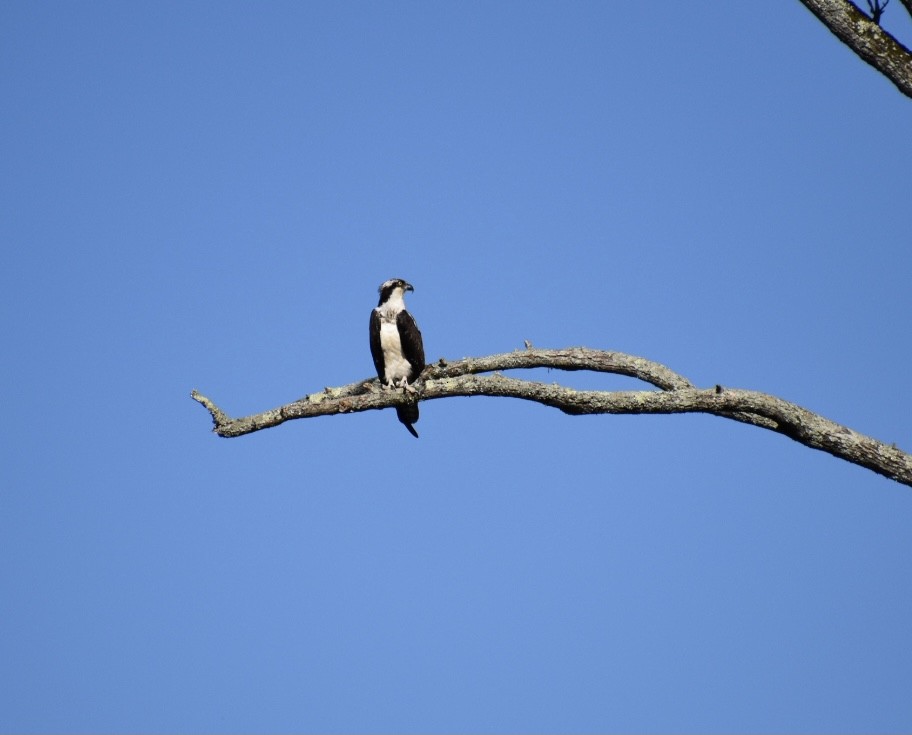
point(376, 349)
point(412, 344)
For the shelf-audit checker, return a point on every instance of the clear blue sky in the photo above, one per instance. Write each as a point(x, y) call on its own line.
point(207, 195)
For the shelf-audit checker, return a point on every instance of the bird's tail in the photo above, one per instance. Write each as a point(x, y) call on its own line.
point(408, 415)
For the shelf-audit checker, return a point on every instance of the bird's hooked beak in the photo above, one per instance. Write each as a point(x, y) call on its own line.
point(408, 286)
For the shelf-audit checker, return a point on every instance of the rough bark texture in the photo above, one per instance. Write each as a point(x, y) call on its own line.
point(867, 39)
point(676, 395)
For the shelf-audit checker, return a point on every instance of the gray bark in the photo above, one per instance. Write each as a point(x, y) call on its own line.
point(867, 39)
point(675, 395)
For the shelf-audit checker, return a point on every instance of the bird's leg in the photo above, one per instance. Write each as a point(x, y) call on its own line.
point(406, 387)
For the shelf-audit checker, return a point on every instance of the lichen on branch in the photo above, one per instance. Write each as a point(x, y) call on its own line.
point(867, 39)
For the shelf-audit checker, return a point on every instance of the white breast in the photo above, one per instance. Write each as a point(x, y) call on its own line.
point(397, 367)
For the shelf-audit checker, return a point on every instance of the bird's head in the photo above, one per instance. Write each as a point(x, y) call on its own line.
point(394, 288)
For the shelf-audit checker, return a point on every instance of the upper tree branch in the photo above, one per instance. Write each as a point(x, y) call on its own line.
point(867, 39)
point(677, 395)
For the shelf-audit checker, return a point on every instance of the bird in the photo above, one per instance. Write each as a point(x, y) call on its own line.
point(396, 346)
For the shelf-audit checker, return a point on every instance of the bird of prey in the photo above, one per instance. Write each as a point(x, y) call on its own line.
point(396, 346)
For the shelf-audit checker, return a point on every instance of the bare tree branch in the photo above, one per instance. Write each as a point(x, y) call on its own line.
point(677, 395)
point(867, 39)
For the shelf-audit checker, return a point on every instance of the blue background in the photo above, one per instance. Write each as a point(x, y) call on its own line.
point(207, 195)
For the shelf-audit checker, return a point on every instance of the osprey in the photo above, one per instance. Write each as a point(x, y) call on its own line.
point(396, 345)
